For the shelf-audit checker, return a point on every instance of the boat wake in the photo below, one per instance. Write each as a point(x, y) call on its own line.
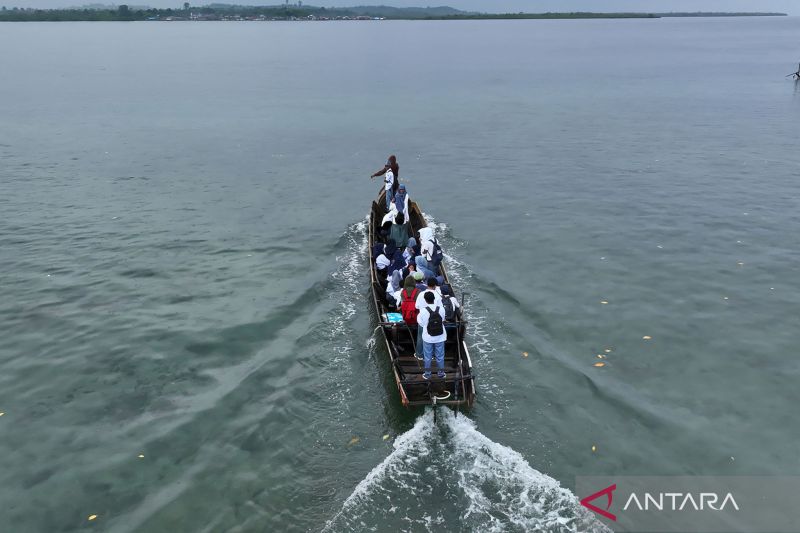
point(449, 476)
point(348, 279)
point(486, 336)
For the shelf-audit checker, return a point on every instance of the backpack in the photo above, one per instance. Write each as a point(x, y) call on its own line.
point(449, 308)
point(435, 326)
point(436, 254)
point(408, 306)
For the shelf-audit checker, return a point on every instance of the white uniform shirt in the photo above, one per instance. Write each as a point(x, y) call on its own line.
point(382, 262)
point(388, 179)
point(422, 320)
point(390, 216)
point(426, 238)
point(437, 299)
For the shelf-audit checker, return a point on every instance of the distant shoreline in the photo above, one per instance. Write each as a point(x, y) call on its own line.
point(591, 15)
point(298, 13)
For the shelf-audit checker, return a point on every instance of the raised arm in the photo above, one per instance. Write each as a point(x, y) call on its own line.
point(381, 171)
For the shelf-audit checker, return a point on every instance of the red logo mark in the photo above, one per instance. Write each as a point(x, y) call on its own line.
point(609, 492)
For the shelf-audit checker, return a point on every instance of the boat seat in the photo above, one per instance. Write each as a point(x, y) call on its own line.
point(418, 377)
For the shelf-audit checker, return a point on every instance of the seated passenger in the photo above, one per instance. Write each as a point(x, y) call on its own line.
point(430, 253)
point(408, 298)
point(386, 224)
point(397, 261)
point(382, 262)
point(394, 287)
point(384, 232)
point(398, 233)
point(389, 217)
point(422, 266)
point(416, 247)
point(418, 278)
point(409, 269)
point(409, 253)
point(377, 249)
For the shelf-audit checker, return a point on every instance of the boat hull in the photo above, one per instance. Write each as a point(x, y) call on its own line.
point(457, 388)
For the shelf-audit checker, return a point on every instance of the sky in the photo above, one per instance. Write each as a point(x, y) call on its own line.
point(533, 6)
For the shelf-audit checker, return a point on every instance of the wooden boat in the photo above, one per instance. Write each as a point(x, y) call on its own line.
point(457, 388)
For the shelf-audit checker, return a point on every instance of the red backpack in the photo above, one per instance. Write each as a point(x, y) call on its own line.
point(409, 306)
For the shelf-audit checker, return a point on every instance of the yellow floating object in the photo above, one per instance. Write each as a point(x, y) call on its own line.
point(647, 337)
point(1, 414)
point(740, 263)
point(724, 297)
point(607, 350)
point(141, 456)
point(601, 356)
point(386, 437)
point(354, 440)
point(92, 516)
point(599, 364)
point(524, 354)
point(603, 302)
point(594, 448)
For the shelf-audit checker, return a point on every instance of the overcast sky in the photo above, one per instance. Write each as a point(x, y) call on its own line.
point(785, 6)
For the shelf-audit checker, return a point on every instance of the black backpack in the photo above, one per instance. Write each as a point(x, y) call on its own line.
point(435, 326)
point(449, 308)
point(436, 254)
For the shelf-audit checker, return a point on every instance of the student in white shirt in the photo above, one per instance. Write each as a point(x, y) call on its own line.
point(437, 300)
point(382, 262)
point(425, 258)
point(433, 343)
point(433, 286)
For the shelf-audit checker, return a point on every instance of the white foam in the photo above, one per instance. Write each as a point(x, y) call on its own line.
point(504, 490)
point(349, 276)
point(346, 292)
point(408, 448)
point(450, 474)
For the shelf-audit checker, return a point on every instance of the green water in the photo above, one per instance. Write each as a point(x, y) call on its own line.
point(184, 278)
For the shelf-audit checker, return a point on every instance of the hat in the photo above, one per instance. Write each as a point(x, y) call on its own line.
point(402, 186)
point(418, 275)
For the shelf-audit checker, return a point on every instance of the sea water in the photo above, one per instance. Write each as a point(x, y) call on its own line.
point(187, 338)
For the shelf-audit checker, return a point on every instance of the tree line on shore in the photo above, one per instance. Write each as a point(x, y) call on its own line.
point(299, 12)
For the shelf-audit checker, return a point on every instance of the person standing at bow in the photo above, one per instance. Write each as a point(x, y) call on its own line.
point(391, 177)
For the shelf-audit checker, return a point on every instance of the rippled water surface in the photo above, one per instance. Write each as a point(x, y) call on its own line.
point(187, 339)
